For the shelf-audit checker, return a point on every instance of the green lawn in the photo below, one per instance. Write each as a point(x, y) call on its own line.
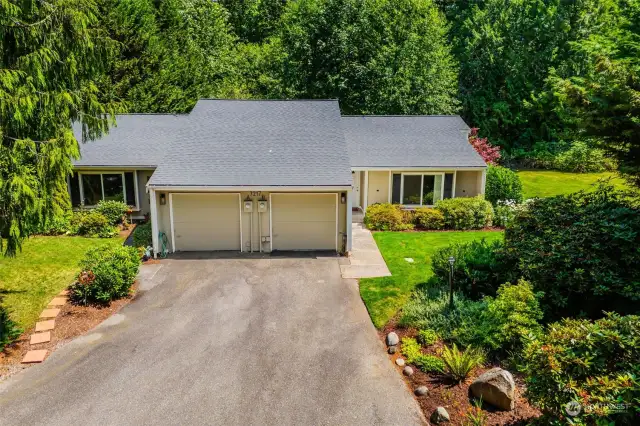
point(45, 266)
point(385, 296)
point(546, 183)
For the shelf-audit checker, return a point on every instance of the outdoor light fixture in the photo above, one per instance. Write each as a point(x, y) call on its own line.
point(343, 197)
point(163, 199)
point(452, 260)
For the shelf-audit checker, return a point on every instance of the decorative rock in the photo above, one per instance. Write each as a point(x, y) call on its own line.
point(440, 415)
point(393, 349)
point(421, 391)
point(408, 371)
point(392, 339)
point(400, 362)
point(496, 387)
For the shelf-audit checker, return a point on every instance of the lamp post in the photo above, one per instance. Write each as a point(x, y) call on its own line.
point(452, 260)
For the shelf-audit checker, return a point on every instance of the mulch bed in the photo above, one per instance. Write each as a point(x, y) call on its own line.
point(72, 321)
point(456, 398)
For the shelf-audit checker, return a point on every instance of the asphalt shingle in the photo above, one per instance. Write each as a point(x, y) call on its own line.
point(409, 141)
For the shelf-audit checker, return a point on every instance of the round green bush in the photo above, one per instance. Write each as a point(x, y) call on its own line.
point(106, 274)
point(466, 213)
point(113, 210)
point(502, 184)
point(427, 218)
point(95, 224)
point(386, 217)
point(581, 158)
point(593, 363)
point(142, 235)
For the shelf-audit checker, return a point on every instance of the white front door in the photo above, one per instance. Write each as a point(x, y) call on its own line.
point(355, 186)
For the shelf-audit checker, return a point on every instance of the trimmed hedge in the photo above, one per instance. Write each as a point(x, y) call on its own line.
point(142, 235)
point(502, 184)
point(466, 213)
point(386, 217)
point(114, 211)
point(427, 218)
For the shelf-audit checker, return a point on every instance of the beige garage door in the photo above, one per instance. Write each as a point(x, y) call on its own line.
point(204, 222)
point(304, 221)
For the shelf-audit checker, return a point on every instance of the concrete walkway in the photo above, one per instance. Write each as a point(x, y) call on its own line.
point(365, 260)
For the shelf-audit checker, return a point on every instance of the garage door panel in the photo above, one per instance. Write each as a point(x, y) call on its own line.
point(205, 222)
point(304, 221)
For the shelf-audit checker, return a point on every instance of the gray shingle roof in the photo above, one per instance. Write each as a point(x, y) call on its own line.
point(138, 140)
point(258, 143)
point(409, 141)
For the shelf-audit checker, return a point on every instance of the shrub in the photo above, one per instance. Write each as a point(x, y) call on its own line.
point(502, 184)
point(504, 213)
point(427, 218)
point(427, 363)
point(581, 158)
point(581, 250)
point(92, 224)
point(9, 330)
point(114, 211)
point(59, 225)
point(458, 365)
point(466, 213)
point(489, 153)
point(427, 337)
point(475, 416)
point(386, 217)
point(479, 269)
point(593, 363)
point(509, 318)
point(106, 274)
point(142, 235)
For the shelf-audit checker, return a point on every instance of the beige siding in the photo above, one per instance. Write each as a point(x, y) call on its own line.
point(206, 222)
point(378, 191)
point(143, 195)
point(468, 183)
point(164, 220)
point(304, 221)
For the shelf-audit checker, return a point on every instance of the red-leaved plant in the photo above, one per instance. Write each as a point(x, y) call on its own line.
point(489, 153)
point(81, 289)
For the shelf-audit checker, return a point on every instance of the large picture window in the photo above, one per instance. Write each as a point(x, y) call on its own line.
point(421, 189)
point(88, 188)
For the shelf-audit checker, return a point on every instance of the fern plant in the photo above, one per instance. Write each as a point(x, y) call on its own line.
point(458, 364)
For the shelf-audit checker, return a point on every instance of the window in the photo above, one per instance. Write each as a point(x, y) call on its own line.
point(421, 189)
point(88, 188)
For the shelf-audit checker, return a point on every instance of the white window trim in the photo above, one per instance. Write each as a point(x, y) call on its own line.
point(101, 173)
point(402, 175)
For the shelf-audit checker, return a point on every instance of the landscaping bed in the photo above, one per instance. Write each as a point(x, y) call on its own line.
point(456, 398)
point(72, 321)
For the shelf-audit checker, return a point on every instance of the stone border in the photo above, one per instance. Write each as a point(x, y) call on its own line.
point(44, 328)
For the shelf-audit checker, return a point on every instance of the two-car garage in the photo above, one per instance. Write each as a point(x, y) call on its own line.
point(222, 221)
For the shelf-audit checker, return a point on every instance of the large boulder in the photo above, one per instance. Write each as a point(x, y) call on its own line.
point(495, 387)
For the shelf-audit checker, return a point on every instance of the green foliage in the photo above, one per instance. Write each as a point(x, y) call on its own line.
point(458, 365)
point(479, 267)
point(9, 330)
point(509, 318)
point(142, 235)
point(114, 211)
point(581, 250)
point(581, 158)
point(593, 363)
point(475, 415)
point(507, 49)
point(386, 217)
point(106, 275)
point(502, 184)
point(169, 53)
point(92, 224)
point(427, 337)
point(428, 218)
point(58, 225)
point(376, 56)
point(466, 213)
point(504, 213)
point(601, 102)
point(254, 20)
point(52, 54)
point(413, 353)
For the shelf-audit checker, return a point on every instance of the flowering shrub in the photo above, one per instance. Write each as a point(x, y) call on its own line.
point(489, 153)
point(595, 364)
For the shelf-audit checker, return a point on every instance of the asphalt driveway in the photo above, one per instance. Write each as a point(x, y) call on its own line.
point(271, 341)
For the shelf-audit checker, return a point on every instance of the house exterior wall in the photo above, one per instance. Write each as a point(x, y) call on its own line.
point(378, 191)
point(143, 195)
point(468, 183)
point(164, 221)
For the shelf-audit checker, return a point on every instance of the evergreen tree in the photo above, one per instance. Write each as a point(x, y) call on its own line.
point(52, 53)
